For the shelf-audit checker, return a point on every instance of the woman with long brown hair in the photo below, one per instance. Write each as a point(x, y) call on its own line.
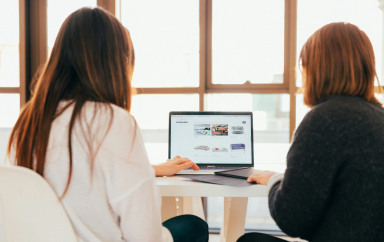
point(332, 189)
point(77, 132)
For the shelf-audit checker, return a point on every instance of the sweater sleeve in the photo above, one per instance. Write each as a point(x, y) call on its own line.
point(298, 201)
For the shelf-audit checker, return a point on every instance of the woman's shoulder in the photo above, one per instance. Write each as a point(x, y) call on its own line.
point(325, 114)
point(113, 127)
point(341, 113)
point(107, 112)
point(96, 119)
point(346, 108)
point(99, 120)
point(106, 108)
point(342, 103)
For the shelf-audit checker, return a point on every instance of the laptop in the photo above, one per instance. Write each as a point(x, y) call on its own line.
point(215, 141)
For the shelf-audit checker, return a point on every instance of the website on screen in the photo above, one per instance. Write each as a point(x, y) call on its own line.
point(212, 139)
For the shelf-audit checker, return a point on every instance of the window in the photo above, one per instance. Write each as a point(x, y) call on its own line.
point(9, 109)
point(166, 42)
point(9, 63)
point(244, 48)
point(9, 44)
point(313, 14)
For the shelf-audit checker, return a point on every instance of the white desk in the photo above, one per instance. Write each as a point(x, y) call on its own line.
point(183, 196)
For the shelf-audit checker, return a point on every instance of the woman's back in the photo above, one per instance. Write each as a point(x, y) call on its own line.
point(356, 202)
point(112, 194)
point(334, 180)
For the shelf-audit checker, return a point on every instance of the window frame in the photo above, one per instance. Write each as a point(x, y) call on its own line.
point(205, 76)
point(32, 45)
point(34, 51)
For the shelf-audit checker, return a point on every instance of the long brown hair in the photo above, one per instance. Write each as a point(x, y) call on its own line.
point(92, 60)
point(338, 59)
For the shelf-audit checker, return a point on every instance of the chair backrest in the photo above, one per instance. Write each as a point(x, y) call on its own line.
point(30, 209)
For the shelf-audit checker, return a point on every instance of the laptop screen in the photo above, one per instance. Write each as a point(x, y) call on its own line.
point(212, 138)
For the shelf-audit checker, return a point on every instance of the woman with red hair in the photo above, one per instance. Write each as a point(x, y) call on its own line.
point(332, 189)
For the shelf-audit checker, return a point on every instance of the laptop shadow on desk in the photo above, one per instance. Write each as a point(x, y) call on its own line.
point(220, 180)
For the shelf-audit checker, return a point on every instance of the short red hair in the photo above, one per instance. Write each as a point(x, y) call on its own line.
point(338, 59)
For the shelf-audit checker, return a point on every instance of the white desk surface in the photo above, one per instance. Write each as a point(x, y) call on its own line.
point(184, 187)
point(189, 195)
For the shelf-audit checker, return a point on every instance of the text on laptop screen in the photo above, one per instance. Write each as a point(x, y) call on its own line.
point(212, 138)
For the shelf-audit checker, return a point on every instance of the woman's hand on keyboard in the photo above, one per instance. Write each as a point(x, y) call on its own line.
point(171, 167)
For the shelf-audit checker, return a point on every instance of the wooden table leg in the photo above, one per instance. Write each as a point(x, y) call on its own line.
point(173, 206)
point(192, 205)
point(168, 208)
point(235, 211)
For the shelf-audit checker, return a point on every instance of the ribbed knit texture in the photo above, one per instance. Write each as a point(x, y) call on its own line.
point(333, 188)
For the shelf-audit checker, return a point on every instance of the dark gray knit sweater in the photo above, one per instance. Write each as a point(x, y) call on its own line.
point(333, 188)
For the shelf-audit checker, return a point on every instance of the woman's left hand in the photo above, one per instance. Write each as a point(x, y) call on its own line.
point(171, 167)
point(262, 177)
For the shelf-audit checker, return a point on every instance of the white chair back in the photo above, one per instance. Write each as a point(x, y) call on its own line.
point(29, 208)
